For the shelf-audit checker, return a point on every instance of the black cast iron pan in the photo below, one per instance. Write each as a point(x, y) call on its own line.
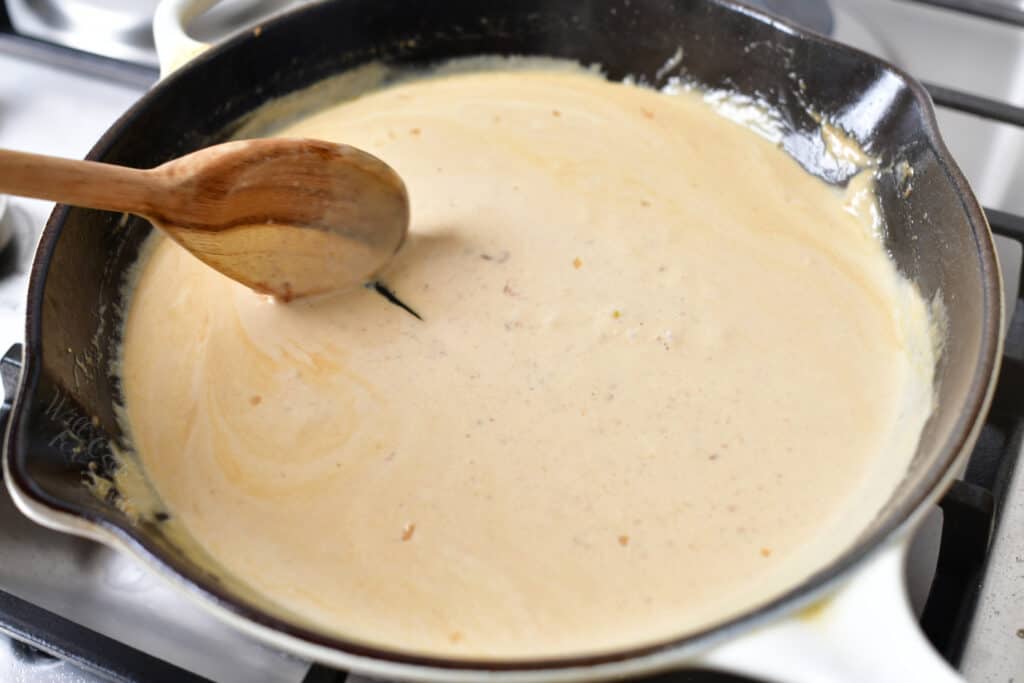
point(62, 426)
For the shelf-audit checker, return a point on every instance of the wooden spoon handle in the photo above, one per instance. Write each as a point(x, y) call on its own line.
point(81, 183)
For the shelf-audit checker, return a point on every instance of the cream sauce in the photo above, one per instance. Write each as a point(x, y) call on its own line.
point(662, 375)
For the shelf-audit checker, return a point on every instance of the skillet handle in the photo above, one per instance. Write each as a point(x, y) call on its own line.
point(866, 631)
point(174, 47)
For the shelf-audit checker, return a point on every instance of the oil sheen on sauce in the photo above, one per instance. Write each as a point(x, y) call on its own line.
point(662, 374)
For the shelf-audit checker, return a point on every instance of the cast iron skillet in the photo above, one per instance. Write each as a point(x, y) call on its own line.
point(62, 426)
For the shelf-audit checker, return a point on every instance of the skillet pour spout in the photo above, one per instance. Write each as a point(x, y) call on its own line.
point(63, 425)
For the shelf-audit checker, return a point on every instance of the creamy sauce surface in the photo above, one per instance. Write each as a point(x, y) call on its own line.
point(662, 374)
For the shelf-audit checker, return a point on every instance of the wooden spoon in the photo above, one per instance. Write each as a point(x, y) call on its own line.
point(287, 217)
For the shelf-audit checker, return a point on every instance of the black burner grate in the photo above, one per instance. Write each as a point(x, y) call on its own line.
point(985, 9)
point(86, 63)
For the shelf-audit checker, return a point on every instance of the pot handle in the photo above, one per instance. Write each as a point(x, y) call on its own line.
point(174, 47)
point(866, 631)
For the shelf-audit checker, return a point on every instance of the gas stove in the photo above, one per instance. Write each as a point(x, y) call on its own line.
point(76, 611)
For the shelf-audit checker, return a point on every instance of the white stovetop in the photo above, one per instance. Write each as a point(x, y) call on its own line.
point(51, 111)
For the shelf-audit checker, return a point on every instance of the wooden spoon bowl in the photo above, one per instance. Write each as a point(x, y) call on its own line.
point(287, 217)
